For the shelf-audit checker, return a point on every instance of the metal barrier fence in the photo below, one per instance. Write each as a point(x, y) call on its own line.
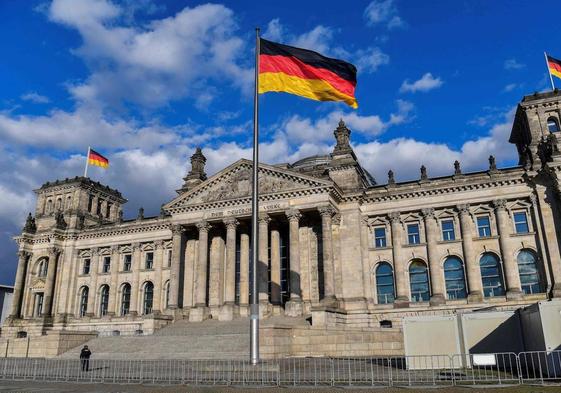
point(443, 370)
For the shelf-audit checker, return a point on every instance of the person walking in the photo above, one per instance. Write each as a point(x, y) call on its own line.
point(85, 354)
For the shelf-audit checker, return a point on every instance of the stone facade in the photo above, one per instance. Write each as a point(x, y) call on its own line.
point(334, 244)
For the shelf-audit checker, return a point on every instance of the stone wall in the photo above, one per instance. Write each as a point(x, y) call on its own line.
point(50, 345)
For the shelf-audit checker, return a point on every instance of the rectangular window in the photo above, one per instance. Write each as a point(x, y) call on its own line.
point(448, 230)
point(413, 234)
point(380, 237)
point(86, 266)
point(127, 262)
point(39, 304)
point(169, 258)
point(149, 260)
point(106, 264)
point(483, 226)
point(521, 222)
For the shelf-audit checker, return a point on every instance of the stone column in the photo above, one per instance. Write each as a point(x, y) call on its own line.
point(113, 290)
point(227, 312)
point(275, 267)
point(294, 306)
point(510, 266)
point(244, 272)
point(399, 271)
point(50, 281)
point(326, 213)
point(263, 264)
point(545, 206)
point(472, 268)
point(216, 271)
point(178, 233)
point(158, 260)
point(135, 286)
point(23, 257)
point(436, 273)
point(200, 311)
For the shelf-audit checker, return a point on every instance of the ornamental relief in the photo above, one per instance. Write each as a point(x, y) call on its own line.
point(38, 284)
point(238, 185)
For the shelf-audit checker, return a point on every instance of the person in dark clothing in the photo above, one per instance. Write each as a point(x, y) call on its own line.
point(85, 354)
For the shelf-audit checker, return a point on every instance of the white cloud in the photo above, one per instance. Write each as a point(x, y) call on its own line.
point(383, 12)
point(305, 130)
point(83, 127)
point(368, 60)
point(150, 65)
point(513, 64)
point(426, 83)
point(320, 39)
point(510, 87)
point(35, 97)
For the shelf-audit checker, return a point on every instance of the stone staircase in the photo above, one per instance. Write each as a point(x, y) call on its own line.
point(210, 339)
point(180, 340)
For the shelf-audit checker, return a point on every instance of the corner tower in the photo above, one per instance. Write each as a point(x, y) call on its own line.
point(75, 203)
point(536, 129)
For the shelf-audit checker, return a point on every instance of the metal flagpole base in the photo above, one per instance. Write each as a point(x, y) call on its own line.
point(254, 334)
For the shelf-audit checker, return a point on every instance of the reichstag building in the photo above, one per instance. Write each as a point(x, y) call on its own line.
point(336, 246)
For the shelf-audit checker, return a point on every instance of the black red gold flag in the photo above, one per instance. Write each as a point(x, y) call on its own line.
point(306, 73)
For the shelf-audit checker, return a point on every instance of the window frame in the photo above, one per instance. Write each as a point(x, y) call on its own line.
point(552, 119)
point(149, 266)
point(426, 274)
point(127, 262)
point(104, 300)
point(383, 239)
point(462, 268)
point(527, 288)
point(526, 222)
point(125, 300)
point(106, 266)
point(83, 304)
point(378, 285)
point(86, 266)
point(446, 232)
point(479, 227)
point(488, 290)
point(412, 235)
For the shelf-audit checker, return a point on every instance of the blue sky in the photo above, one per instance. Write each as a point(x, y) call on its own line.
point(145, 82)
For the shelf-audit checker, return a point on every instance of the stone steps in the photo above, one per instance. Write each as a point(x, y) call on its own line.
point(210, 339)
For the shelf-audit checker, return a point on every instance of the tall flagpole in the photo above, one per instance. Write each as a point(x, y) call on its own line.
point(254, 306)
point(87, 160)
point(549, 71)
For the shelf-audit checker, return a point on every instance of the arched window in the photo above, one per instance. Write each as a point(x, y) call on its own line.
point(455, 278)
point(166, 294)
point(49, 206)
point(59, 204)
point(384, 283)
point(103, 300)
point(529, 273)
point(419, 281)
point(84, 292)
point(148, 297)
point(42, 268)
point(68, 201)
point(552, 124)
point(125, 299)
point(491, 275)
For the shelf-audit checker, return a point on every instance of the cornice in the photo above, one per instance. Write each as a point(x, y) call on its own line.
point(415, 191)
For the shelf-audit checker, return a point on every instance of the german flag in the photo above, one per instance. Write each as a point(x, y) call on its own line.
point(305, 73)
point(94, 158)
point(554, 66)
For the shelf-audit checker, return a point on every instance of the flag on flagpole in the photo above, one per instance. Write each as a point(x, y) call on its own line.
point(554, 66)
point(305, 73)
point(94, 158)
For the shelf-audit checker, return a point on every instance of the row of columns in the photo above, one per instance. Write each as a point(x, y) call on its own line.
point(472, 265)
point(209, 272)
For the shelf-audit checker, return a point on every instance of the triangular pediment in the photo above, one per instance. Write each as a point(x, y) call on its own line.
point(235, 181)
